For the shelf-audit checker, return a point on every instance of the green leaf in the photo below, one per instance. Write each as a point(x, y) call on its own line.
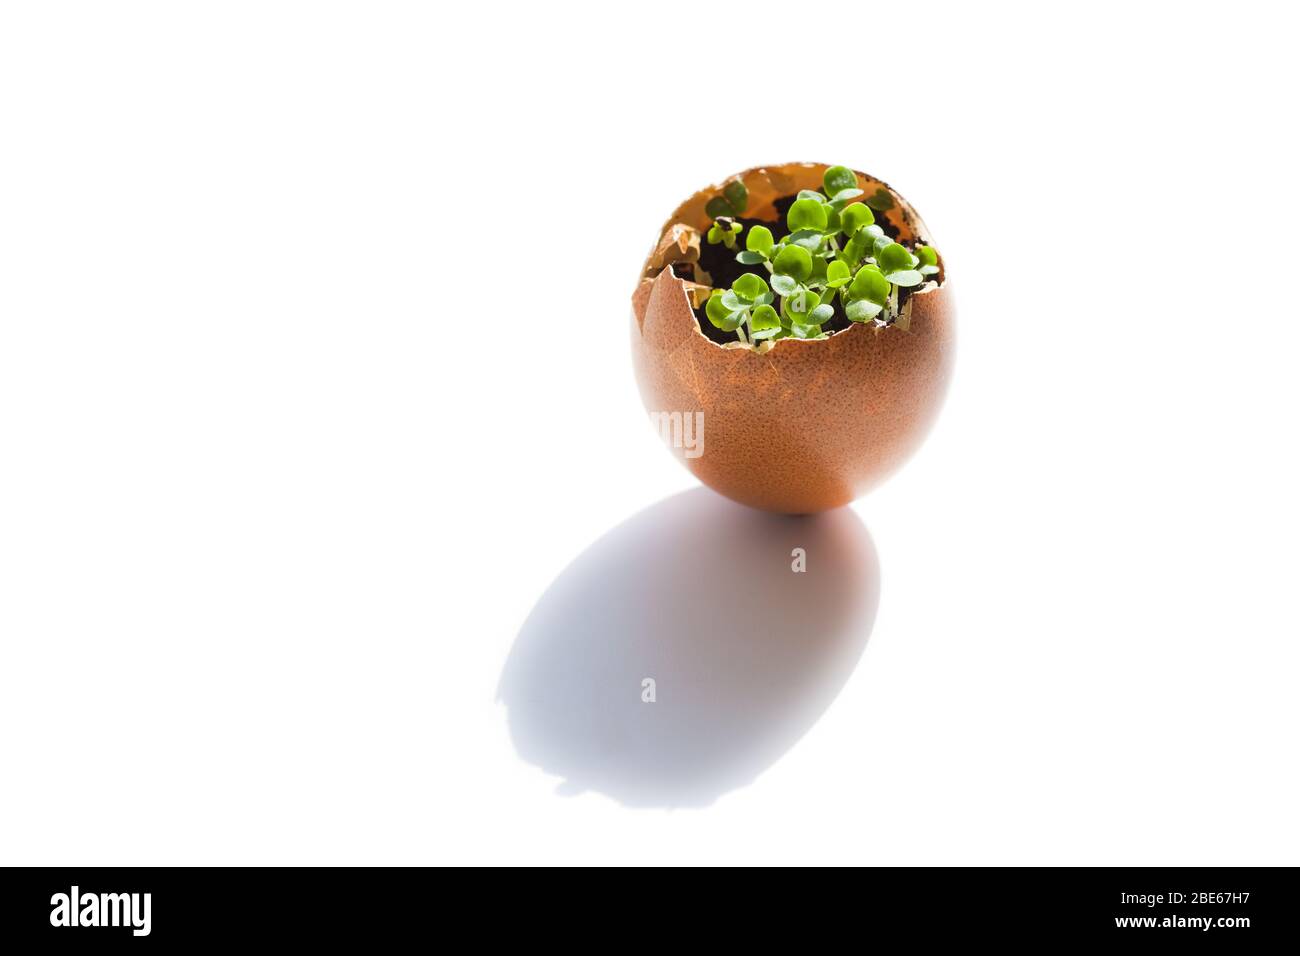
point(714, 235)
point(892, 257)
point(750, 258)
point(749, 287)
point(732, 301)
point(832, 221)
point(764, 317)
point(737, 195)
point(863, 310)
point(762, 334)
point(812, 194)
point(927, 255)
point(818, 274)
point(806, 331)
point(730, 234)
point(793, 261)
point(859, 247)
point(838, 178)
point(806, 214)
point(759, 240)
point(718, 207)
point(929, 270)
point(783, 284)
point(843, 196)
point(718, 313)
point(871, 285)
point(854, 216)
point(822, 314)
point(837, 274)
point(810, 239)
point(880, 244)
point(905, 277)
point(803, 302)
point(880, 200)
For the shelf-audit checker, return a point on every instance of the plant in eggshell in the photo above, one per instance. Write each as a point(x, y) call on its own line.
point(832, 252)
point(804, 312)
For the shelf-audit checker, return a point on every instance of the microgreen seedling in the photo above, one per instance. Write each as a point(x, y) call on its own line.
point(724, 231)
point(899, 265)
point(749, 299)
point(866, 295)
point(724, 209)
point(758, 246)
point(833, 251)
point(929, 260)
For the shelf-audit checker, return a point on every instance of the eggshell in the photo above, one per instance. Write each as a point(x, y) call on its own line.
point(794, 426)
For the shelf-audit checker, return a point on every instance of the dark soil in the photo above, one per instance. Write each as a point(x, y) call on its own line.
point(721, 265)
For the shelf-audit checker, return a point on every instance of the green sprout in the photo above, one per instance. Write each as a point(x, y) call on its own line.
point(832, 253)
point(808, 215)
point(929, 260)
point(724, 209)
point(747, 303)
point(724, 231)
point(867, 295)
point(898, 265)
point(758, 246)
point(841, 185)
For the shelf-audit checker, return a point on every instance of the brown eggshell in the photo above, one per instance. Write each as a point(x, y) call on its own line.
point(795, 426)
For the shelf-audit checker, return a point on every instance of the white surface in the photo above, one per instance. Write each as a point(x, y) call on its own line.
point(280, 483)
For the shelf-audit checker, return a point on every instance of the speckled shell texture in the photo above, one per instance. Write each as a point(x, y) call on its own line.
point(807, 425)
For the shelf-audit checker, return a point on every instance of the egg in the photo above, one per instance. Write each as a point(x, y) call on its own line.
point(793, 425)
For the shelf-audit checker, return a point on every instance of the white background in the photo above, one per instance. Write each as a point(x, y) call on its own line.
point(314, 378)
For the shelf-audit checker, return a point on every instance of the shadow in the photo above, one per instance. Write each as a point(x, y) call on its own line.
point(697, 593)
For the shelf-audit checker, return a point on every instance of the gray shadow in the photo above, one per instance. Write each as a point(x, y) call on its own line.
point(698, 594)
